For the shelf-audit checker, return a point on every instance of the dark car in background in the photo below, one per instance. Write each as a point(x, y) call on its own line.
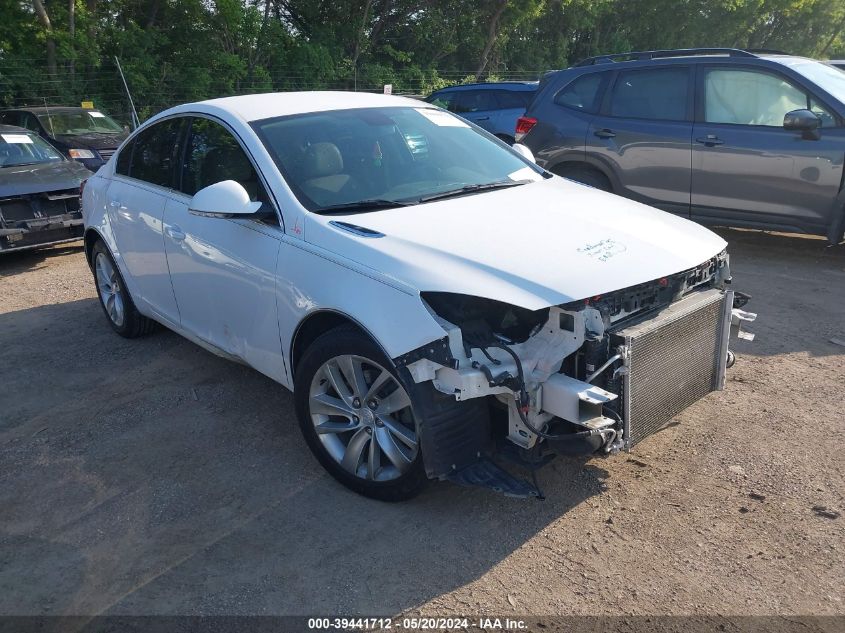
point(83, 134)
point(720, 136)
point(492, 106)
point(838, 63)
point(39, 192)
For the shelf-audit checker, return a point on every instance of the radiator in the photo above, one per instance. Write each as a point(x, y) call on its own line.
point(673, 360)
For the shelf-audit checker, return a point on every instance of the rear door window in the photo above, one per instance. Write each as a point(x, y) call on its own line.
point(155, 153)
point(513, 99)
point(476, 101)
point(657, 94)
point(584, 93)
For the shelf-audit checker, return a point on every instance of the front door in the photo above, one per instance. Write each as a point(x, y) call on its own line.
point(747, 169)
point(643, 136)
point(223, 270)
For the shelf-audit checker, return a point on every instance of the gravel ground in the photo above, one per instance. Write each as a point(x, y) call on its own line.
point(151, 477)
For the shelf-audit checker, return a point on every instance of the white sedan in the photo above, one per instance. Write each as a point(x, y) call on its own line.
point(438, 303)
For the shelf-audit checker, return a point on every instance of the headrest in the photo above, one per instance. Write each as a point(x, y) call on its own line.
point(323, 159)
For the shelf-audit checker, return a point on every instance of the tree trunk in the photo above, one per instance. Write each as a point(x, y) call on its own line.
point(71, 28)
point(359, 40)
point(492, 34)
point(41, 12)
point(836, 31)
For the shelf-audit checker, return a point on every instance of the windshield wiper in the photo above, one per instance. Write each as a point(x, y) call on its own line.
point(363, 205)
point(501, 184)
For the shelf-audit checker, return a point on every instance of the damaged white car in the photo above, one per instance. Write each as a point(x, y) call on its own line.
point(441, 306)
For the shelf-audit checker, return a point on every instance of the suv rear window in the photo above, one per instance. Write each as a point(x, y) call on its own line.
point(659, 94)
point(583, 93)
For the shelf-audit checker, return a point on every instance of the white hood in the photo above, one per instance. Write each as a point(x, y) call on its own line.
point(534, 245)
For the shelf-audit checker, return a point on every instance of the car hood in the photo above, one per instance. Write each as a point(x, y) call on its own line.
point(24, 179)
point(91, 141)
point(535, 245)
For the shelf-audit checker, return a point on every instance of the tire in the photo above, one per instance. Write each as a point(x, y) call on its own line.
point(114, 297)
point(587, 176)
point(368, 438)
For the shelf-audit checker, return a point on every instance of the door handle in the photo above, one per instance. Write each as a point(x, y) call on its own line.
point(482, 118)
point(605, 133)
point(174, 232)
point(710, 140)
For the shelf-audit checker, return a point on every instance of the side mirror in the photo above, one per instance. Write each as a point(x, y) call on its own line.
point(523, 151)
point(803, 121)
point(223, 200)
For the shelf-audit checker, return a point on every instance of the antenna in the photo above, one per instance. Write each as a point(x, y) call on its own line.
point(135, 121)
point(49, 118)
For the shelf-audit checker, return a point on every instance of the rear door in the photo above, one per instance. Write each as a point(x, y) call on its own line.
point(144, 176)
point(479, 106)
point(750, 171)
point(643, 135)
point(511, 106)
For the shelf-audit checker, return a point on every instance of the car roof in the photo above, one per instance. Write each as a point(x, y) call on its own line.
point(47, 109)
point(13, 129)
point(492, 85)
point(256, 107)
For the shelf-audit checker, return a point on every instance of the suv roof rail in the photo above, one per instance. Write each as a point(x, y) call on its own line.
point(646, 55)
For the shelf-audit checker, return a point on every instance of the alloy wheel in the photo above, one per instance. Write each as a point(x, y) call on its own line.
point(108, 285)
point(363, 418)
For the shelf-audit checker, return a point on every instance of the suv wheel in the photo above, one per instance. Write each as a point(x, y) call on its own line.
point(586, 176)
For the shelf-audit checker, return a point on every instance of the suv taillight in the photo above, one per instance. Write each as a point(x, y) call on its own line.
point(523, 127)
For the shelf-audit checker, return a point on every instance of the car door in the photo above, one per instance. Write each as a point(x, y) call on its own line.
point(643, 135)
point(747, 169)
point(223, 270)
point(478, 106)
point(143, 178)
point(511, 106)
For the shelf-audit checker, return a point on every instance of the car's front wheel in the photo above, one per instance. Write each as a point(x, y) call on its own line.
point(114, 297)
point(357, 416)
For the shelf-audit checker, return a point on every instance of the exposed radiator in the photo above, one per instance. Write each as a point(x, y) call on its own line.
point(674, 359)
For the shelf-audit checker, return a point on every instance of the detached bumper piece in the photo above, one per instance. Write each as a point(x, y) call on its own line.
point(487, 474)
point(40, 219)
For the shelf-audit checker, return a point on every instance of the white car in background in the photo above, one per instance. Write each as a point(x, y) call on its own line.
point(437, 302)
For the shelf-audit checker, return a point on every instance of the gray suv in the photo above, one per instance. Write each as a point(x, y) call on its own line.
point(721, 136)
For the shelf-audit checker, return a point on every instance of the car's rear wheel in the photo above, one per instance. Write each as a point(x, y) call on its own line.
point(586, 176)
point(114, 297)
point(357, 416)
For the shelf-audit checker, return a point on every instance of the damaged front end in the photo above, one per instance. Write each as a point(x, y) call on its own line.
point(594, 375)
point(40, 219)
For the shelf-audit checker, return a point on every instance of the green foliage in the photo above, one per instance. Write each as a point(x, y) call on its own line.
point(173, 51)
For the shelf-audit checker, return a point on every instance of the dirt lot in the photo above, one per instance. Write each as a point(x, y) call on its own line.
point(150, 477)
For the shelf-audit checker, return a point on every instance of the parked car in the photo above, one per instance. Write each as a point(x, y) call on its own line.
point(720, 136)
point(85, 135)
point(39, 192)
point(492, 106)
point(433, 298)
point(838, 63)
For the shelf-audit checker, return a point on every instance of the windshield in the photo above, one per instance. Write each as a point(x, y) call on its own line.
point(368, 158)
point(79, 122)
point(826, 77)
point(25, 149)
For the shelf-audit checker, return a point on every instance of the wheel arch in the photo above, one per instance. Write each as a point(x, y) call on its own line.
point(91, 237)
point(586, 163)
point(317, 323)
